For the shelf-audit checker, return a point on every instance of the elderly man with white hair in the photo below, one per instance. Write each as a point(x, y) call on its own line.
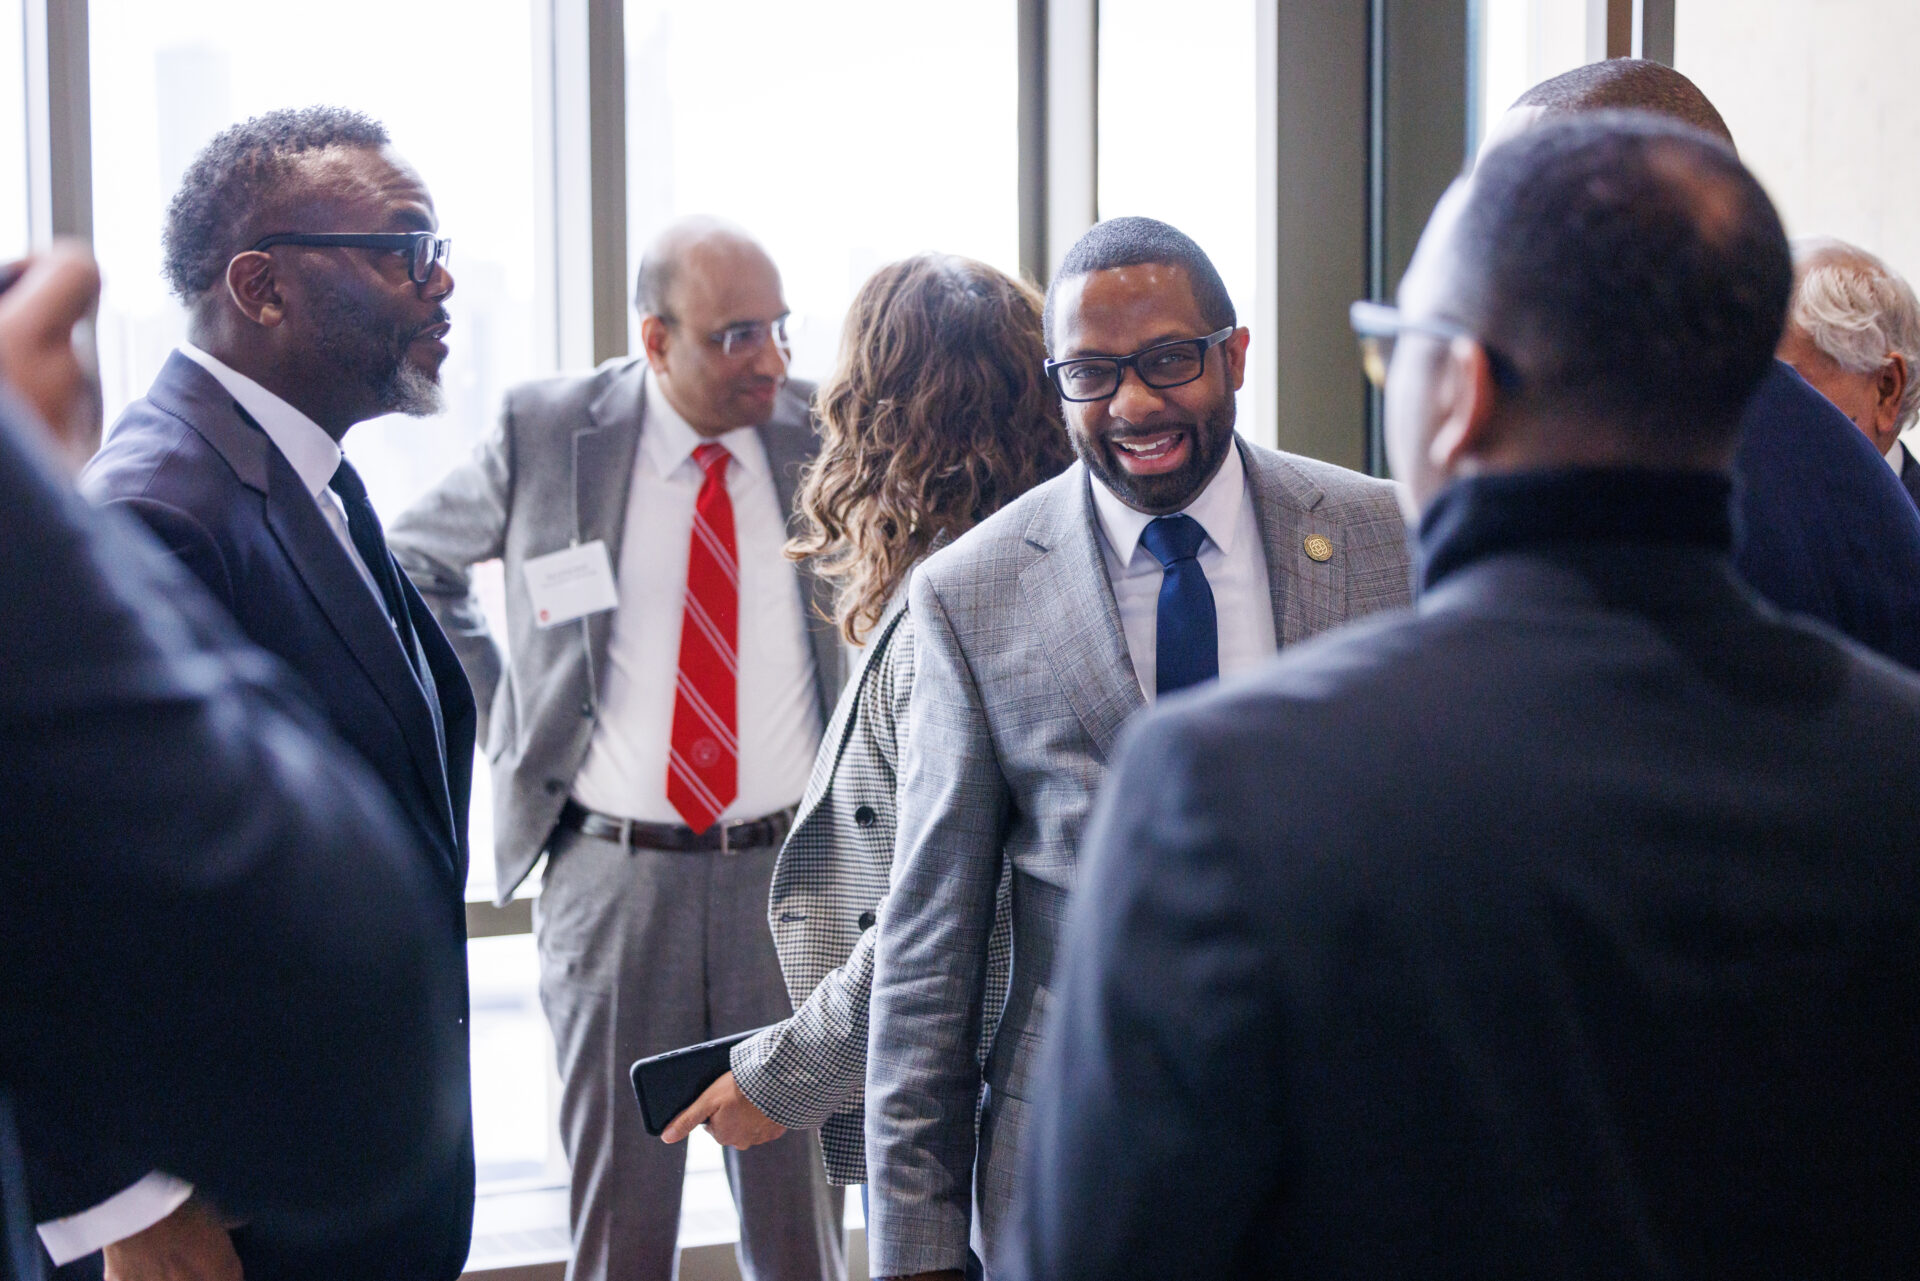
point(1854, 333)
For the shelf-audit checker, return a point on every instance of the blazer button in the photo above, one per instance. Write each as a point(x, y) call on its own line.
point(864, 816)
point(868, 920)
point(554, 787)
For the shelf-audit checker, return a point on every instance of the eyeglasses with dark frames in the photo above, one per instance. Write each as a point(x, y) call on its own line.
point(422, 248)
point(1163, 365)
point(1379, 326)
point(748, 337)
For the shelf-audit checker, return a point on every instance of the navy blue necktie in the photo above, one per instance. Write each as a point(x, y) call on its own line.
point(1186, 634)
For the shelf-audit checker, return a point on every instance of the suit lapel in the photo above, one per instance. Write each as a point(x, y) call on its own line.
point(357, 617)
point(1308, 595)
point(1070, 599)
point(603, 459)
point(840, 727)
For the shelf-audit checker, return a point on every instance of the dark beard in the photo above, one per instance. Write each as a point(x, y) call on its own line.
point(350, 335)
point(1209, 441)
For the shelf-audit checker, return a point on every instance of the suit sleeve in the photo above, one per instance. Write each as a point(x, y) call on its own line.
point(245, 937)
point(805, 1069)
point(931, 960)
point(459, 523)
point(1156, 1116)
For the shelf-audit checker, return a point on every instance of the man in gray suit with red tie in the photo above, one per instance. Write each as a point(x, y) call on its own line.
point(1173, 551)
point(655, 729)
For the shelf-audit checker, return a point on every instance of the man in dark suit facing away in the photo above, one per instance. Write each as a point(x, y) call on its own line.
point(208, 907)
point(307, 254)
point(1820, 527)
point(1564, 925)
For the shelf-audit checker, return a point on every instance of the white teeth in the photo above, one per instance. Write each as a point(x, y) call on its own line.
point(1154, 445)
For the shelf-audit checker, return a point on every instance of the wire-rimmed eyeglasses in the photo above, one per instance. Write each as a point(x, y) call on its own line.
point(423, 249)
point(1163, 365)
point(747, 337)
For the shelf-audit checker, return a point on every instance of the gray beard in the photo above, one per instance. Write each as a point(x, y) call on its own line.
point(412, 391)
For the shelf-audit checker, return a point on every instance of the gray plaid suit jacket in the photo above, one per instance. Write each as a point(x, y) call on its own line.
point(557, 472)
point(1022, 683)
point(828, 883)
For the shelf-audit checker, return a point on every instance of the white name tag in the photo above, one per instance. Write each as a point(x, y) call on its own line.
point(571, 584)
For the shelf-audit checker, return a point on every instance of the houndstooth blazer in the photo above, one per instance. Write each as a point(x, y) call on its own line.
point(828, 884)
point(1022, 681)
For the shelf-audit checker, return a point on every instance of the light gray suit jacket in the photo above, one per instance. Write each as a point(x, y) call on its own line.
point(557, 472)
point(1023, 681)
point(828, 882)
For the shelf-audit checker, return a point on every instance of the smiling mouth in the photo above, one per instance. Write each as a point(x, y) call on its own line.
point(1149, 448)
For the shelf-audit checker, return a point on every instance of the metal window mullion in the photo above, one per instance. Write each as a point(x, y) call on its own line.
point(59, 121)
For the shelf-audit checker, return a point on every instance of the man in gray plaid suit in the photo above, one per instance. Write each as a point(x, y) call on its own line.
point(1173, 551)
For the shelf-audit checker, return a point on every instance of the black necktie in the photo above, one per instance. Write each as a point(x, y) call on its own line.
point(364, 527)
point(1186, 633)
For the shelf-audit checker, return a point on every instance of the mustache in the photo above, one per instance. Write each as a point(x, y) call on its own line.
point(439, 317)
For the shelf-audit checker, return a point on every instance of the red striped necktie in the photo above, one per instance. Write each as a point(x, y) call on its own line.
point(704, 767)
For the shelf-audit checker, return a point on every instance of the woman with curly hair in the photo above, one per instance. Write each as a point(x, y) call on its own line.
point(937, 416)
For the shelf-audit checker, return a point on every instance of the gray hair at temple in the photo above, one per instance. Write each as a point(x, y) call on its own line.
point(1858, 311)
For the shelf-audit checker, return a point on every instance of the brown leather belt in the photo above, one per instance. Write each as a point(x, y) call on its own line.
point(721, 838)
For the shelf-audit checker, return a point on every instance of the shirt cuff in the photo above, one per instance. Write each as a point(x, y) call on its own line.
point(120, 1216)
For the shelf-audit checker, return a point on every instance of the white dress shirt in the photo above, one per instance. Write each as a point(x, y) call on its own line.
point(1232, 557)
point(625, 771)
point(1896, 455)
point(315, 456)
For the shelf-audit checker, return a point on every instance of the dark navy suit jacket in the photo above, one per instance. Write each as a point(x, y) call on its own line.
point(223, 499)
point(209, 910)
point(1566, 927)
point(1825, 527)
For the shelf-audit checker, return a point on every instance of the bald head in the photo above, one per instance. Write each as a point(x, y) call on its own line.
point(716, 243)
point(1626, 84)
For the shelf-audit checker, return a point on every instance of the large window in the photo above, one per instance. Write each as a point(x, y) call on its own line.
point(165, 79)
point(13, 131)
point(843, 135)
point(1177, 138)
point(1814, 96)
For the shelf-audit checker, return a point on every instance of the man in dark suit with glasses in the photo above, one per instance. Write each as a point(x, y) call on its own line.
point(308, 257)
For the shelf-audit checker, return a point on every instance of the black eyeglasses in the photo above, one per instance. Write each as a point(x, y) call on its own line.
point(423, 248)
point(1163, 365)
point(1379, 326)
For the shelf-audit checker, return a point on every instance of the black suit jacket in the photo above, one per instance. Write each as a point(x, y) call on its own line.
point(209, 909)
point(1825, 529)
point(226, 502)
point(1565, 927)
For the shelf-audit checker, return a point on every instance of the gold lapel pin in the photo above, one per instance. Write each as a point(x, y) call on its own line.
point(1319, 548)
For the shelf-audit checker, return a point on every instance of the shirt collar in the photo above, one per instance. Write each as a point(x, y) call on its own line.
point(670, 439)
point(1896, 456)
point(1216, 508)
point(315, 456)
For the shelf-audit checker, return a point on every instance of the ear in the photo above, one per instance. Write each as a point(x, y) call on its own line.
point(1889, 389)
point(1464, 398)
point(653, 341)
point(1236, 349)
point(255, 289)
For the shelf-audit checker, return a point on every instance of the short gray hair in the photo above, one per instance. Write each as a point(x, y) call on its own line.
point(1858, 311)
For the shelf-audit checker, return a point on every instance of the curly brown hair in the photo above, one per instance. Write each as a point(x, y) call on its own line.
point(937, 415)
